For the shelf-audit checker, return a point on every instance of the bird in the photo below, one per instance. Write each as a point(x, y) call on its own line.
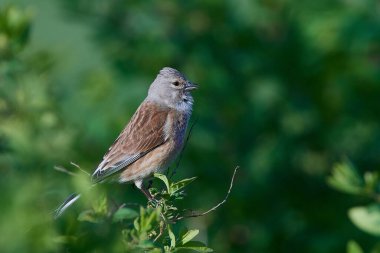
point(152, 139)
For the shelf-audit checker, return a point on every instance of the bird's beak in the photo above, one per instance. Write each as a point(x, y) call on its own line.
point(191, 86)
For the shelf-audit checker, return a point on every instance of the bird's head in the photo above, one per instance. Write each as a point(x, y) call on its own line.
point(171, 88)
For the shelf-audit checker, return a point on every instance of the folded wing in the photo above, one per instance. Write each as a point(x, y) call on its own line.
point(144, 133)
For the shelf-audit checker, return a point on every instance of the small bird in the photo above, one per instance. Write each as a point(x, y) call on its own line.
point(153, 137)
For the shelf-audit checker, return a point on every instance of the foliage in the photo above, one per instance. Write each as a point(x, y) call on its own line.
point(353, 247)
point(346, 178)
point(15, 27)
point(151, 228)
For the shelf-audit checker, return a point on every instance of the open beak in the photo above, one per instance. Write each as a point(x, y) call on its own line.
point(191, 86)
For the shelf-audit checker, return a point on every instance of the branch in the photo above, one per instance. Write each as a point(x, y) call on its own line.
point(197, 214)
point(64, 170)
point(76, 165)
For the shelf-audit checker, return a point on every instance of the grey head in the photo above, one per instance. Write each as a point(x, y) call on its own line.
point(172, 89)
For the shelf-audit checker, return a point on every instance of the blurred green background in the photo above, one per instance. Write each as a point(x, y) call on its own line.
point(287, 88)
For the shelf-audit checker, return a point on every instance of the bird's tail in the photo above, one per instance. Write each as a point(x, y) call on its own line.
point(66, 204)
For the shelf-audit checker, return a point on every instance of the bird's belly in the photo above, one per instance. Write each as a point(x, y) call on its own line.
point(154, 161)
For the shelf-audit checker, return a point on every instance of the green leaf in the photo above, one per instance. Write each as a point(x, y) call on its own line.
point(345, 178)
point(181, 184)
point(189, 235)
point(354, 247)
point(88, 216)
point(146, 223)
point(136, 224)
point(172, 237)
point(145, 244)
point(100, 206)
point(164, 179)
point(142, 217)
point(371, 180)
point(124, 214)
point(194, 246)
point(64, 239)
point(155, 250)
point(367, 218)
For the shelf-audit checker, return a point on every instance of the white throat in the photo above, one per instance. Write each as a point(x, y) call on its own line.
point(186, 105)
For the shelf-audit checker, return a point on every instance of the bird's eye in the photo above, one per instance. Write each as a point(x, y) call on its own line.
point(176, 83)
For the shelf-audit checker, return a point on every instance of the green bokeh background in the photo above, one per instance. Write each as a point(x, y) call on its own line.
point(287, 88)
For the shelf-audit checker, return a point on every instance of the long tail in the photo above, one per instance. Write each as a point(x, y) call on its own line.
point(66, 204)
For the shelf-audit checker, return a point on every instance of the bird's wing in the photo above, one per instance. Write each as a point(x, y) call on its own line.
point(144, 133)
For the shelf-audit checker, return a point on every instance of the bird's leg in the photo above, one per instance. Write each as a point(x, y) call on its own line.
point(139, 184)
point(151, 200)
point(147, 193)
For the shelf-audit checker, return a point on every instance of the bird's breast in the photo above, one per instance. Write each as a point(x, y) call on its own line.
point(178, 123)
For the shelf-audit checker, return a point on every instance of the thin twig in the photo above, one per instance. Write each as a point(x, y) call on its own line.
point(183, 149)
point(162, 224)
point(193, 214)
point(77, 166)
point(64, 170)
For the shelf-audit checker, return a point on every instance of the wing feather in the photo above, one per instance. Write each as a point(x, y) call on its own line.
point(144, 133)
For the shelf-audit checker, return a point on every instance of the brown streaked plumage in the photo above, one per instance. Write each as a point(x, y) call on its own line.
point(163, 154)
point(142, 135)
point(153, 137)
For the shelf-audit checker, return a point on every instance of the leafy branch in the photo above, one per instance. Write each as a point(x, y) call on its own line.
point(153, 228)
point(346, 178)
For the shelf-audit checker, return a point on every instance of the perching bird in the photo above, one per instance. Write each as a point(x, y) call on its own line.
point(153, 137)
